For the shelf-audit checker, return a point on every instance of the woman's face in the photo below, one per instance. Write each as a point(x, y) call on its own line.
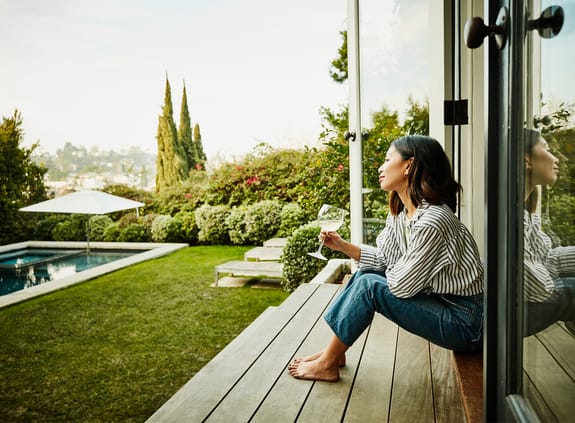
point(542, 165)
point(393, 172)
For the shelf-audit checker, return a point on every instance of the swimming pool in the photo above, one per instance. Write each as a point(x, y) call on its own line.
point(28, 267)
point(33, 268)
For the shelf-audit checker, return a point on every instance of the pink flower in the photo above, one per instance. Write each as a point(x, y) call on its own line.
point(188, 196)
point(340, 167)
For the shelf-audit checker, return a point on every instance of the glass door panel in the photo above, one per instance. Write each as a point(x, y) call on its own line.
point(549, 216)
point(395, 80)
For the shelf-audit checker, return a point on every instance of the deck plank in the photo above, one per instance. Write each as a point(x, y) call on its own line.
point(561, 345)
point(556, 387)
point(375, 374)
point(326, 402)
point(411, 398)
point(245, 397)
point(289, 393)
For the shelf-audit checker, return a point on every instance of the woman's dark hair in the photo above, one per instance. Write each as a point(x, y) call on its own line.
point(430, 177)
point(530, 138)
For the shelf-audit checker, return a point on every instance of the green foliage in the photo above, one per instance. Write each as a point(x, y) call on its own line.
point(264, 174)
point(98, 225)
point(201, 165)
point(134, 232)
point(338, 70)
point(558, 200)
point(186, 195)
point(212, 223)
point(112, 232)
point(292, 217)
point(44, 226)
point(128, 219)
point(21, 181)
point(72, 229)
point(185, 134)
point(236, 222)
point(298, 266)
point(189, 228)
point(161, 228)
point(171, 163)
point(263, 220)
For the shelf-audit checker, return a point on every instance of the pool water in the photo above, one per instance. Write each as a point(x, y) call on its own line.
point(29, 267)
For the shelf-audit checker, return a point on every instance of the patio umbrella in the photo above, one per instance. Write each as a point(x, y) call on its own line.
point(84, 202)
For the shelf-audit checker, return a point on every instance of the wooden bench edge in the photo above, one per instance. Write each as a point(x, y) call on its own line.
point(469, 369)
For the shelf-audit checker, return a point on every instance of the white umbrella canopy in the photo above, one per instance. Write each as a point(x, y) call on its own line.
point(84, 202)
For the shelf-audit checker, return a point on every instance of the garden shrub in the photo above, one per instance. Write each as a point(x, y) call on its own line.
point(98, 225)
point(188, 227)
point(292, 217)
point(263, 220)
point(112, 232)
point(134, 232)
point(127, 219)
point(212, 223)
point(44, 227)
point(161, 228)
point(298, 266)
point(72, 229)
point(236, 223)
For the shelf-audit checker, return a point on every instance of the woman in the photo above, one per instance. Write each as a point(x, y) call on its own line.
point(425, 274)
point(549, 273)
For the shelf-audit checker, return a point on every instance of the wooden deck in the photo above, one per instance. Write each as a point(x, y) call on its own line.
point(549, 373)
point(390, 374)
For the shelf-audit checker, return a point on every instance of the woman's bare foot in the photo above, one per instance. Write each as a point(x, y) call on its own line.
point(312, 357)
point(316, 369)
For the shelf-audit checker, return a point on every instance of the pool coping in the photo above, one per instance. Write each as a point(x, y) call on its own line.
point(154, 250)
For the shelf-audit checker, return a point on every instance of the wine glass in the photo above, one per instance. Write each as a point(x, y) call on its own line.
point(330, 219)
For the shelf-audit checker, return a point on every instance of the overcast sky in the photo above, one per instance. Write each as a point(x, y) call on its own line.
point(93, 72)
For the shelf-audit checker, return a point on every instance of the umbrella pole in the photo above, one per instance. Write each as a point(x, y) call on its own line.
point(88, 236)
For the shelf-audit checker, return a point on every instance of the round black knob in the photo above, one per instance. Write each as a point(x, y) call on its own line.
point(475, 30)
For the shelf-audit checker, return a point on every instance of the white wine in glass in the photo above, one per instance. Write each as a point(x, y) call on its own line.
point(330, 219)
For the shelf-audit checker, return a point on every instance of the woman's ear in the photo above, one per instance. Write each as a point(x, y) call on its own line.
point(409, 162)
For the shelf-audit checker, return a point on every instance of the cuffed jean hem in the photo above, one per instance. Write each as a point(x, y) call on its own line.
point(450, 321)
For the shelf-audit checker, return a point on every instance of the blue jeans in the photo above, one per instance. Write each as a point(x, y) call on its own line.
point(560, 306)
point(450, 321)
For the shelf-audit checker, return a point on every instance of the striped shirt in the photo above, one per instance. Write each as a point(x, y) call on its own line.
point(440, 255)
point(543, 266)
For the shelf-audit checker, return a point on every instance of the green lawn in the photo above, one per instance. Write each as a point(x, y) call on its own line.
point(116, 348)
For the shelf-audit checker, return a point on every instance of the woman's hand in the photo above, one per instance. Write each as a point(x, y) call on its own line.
point(335, 242)
point(331, 240)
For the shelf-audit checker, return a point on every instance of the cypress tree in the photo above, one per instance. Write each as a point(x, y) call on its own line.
point(185, 133)
point(201, 155)
point(171, 167)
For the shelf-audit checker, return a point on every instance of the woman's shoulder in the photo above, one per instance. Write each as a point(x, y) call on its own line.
point(439, 216)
